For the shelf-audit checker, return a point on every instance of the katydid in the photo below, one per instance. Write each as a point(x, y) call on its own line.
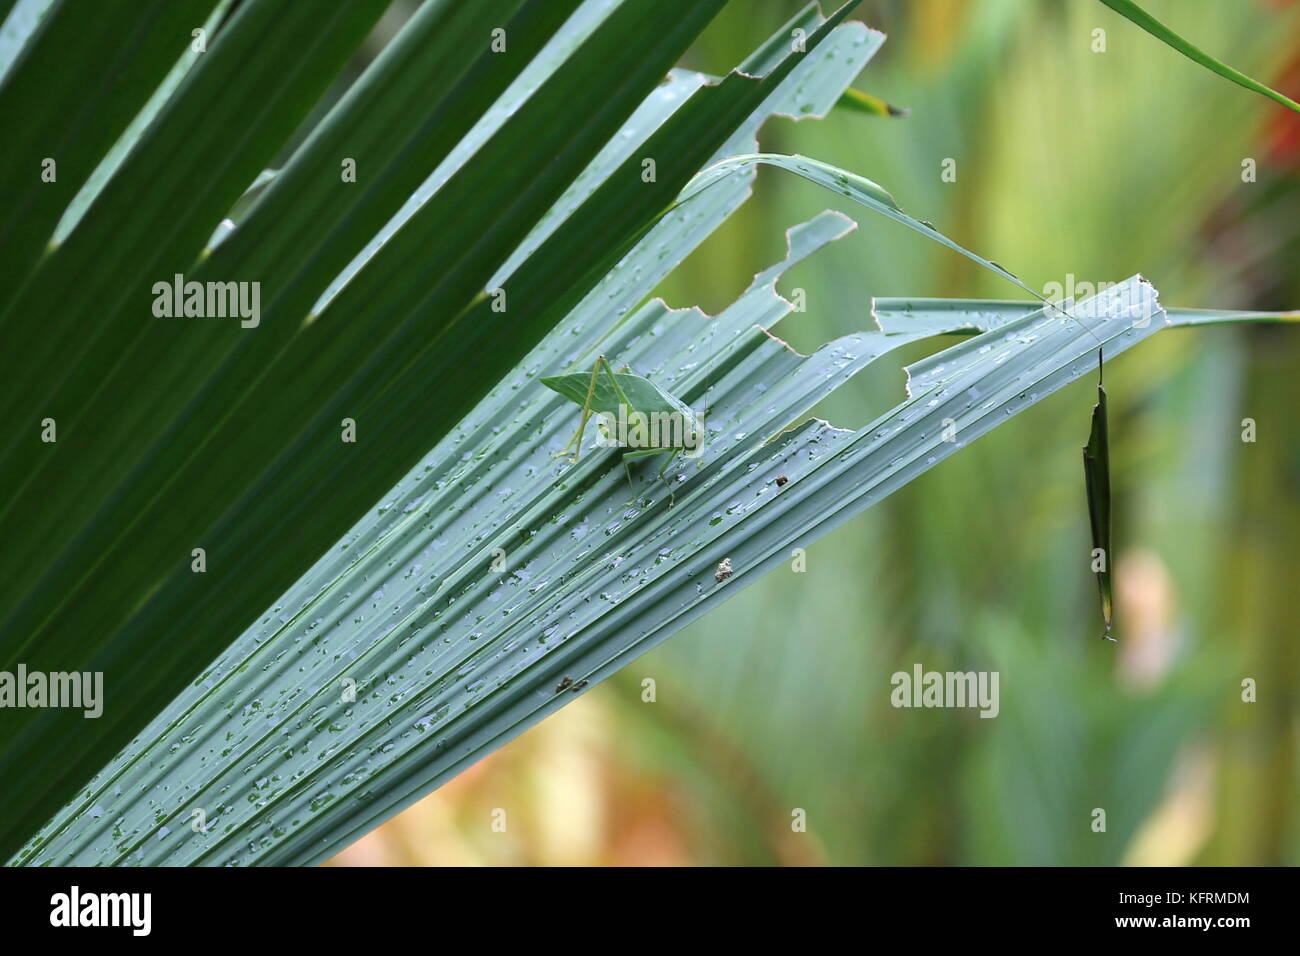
point(633, 412)
point(1096, 475)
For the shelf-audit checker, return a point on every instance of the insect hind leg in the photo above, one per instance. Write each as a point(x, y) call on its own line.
point(576, 441)
point(672, 454)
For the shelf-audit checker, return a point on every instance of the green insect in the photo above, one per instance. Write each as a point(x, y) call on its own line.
point(632, 412)
point(1096, 476)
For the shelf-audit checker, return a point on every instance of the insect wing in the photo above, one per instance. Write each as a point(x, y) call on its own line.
point(1096, 475)
point(575, 387)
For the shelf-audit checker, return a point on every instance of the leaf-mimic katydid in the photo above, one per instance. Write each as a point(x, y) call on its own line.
point(1096, 476)
point(632, 412)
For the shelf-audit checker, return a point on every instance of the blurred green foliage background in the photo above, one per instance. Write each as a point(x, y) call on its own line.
point(1069, 162)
